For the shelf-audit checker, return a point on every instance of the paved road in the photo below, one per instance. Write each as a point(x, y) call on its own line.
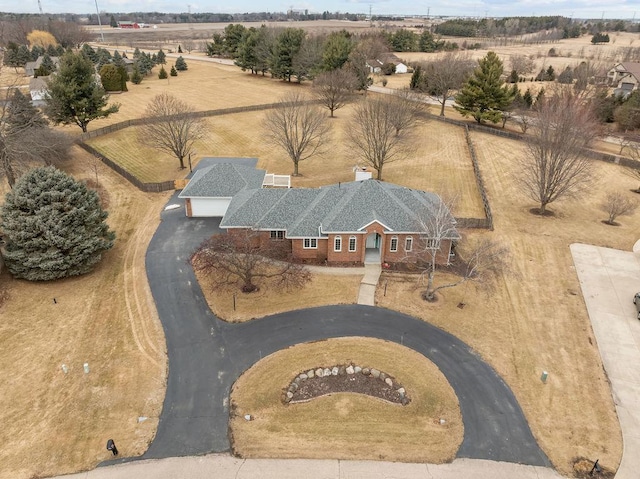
point(207, 355)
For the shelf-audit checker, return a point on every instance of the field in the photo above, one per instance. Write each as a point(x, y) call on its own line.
point(535, 319)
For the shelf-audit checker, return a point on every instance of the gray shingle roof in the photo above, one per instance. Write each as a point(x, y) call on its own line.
point(222, 180)
point(346, 207)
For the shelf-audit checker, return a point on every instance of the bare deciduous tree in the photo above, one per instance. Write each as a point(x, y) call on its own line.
point(441, 77)
point(631, 146)
point(298, 127)
point(26, 139)
point(481, 261)
point(334, 89)
point(617, 204)
point(373, 133)
point(522, 64)
point(404, 110)
point(242, 259)
point(554, 166)
point(171, 126)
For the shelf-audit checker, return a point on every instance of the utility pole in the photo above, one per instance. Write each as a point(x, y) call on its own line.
point(40, 7)
point(99, 22)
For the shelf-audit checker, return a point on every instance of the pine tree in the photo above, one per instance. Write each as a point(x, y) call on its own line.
point(136, 76)
point(162, 74)
point(179, 49)
point(21, 114)
point(528, 98)
point(47, 67)
point(75, 96)
point(181, 65)
point(54, 226)
point(173, 72)
point(161, 58)
point(484, 96)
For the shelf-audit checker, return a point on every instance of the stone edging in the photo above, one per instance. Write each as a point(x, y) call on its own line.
point(341, 370)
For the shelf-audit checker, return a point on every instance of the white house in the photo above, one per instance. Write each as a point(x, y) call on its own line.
point(625, 78)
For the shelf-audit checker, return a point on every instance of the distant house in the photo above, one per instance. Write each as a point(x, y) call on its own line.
point(375, 65)
point(357, 222)
point(37, 90)
point(391, 58)
point(31, 67)
point(625, 78)
point(127, 24)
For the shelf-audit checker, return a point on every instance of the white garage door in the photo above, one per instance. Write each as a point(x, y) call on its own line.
point(209, 207)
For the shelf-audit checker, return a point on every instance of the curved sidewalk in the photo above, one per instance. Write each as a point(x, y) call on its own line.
point(609, 278)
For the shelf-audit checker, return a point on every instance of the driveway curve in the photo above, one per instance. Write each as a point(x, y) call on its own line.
point(207, 355)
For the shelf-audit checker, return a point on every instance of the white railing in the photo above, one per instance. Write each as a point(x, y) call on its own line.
point(277, 181)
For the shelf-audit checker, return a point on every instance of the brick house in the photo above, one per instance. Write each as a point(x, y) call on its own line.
point(353, 223)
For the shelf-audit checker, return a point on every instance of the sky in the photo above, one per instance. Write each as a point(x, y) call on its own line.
point(608, 9)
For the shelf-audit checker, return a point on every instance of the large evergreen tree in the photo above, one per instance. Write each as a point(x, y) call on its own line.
point(75, 94)
point(484, 95)
point(287, 45)
point(54, 226)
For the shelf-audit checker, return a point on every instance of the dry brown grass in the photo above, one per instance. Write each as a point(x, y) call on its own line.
point(216, 86)
point(440, 162)
point(537, 320)
point(54, 423)
point(346, 425)
point(322, 290)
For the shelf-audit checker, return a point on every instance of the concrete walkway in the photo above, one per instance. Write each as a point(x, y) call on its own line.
point(609, 278)
point(367, 293)
point(220, 466)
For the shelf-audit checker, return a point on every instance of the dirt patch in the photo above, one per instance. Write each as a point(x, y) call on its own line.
point(587, 469)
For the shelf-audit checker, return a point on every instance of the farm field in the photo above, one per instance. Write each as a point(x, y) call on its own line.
point(534, 321)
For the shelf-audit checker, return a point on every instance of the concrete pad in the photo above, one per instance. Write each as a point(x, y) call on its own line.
point(609, 278)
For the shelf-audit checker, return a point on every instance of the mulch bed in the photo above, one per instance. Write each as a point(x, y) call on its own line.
point(357, 383)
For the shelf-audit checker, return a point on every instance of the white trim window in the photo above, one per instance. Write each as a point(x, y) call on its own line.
point(393, 244)
point(276, 234)
point(408, 243)
point(310, 243)
point(432, 243)
point(353, 243)
point(337, 244)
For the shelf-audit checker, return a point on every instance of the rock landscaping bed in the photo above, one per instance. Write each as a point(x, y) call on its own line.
point(351, 378)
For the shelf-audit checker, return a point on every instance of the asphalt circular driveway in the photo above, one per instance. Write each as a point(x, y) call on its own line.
point(207, 355)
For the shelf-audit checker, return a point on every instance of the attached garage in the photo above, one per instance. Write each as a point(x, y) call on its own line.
point(209, 192)
point(207, 207)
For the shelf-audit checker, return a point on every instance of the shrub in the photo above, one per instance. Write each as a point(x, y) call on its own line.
point(173, 71)
point(162, 74)
point(181, 65)
point(54, 226)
